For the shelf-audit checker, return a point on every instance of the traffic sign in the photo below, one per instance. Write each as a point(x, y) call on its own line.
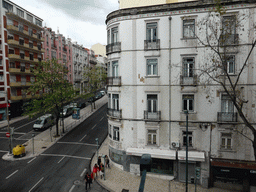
point(7, 134)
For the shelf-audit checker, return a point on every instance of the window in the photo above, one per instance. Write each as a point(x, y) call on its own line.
point(9, 36)
point(38, 22)
point(29, 18)
point(108, 37)
point(190, 137)
point(110, 131)
point(30, 32)
point(188, 102)
point(115, 102)
point(229, 25)
point(151, 67)
point(31, 44)
point(31, 57)
point(21, 41)
point(114, 35)
point(188, 67)
point(22, 55)
point(8, 6)
point(226, 140)
point(20, 13)
point(1, 62)
point(188, 28)
point(151, 32)
point(20, 27)
point(226, 104)
point(115, 133)
point(22, 67)
point(9, 21)
point(115, 68)
point(11, 51)
point(1, 77)
point(152, 103)
point(231, 64)
point(152, 137)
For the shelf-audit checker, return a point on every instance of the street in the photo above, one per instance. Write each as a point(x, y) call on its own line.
point(62, 166)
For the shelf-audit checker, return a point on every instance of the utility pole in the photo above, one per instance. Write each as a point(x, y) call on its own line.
point(186, 112)
point(8, 126)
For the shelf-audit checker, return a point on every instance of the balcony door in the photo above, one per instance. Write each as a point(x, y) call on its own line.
point(115, 69)
point(227, 108)
point(152, 106)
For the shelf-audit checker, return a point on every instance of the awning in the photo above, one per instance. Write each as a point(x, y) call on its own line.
point(192, 156)
point(155, 153)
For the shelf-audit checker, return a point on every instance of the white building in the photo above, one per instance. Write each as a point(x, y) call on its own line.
point(152, 56)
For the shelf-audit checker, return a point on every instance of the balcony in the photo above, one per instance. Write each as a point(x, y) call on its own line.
point(92, 61)
point(226, 117)
point(114, 113)
point(152, 45)
point(16, 98)
point(15, 84)
point(13, 42)
point(155, 116)
point(113, 48)
point(188, 80)
point(229, 39)
point(78, 79)
point(21, 70)
point(114, 81)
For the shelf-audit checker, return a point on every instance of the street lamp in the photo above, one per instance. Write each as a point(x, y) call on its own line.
point(97, 142)
point(186, 112)
point(8, 127)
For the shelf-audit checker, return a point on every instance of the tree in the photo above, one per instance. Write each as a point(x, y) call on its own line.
point(96, 78)
point(218, 33)
point(51, 81)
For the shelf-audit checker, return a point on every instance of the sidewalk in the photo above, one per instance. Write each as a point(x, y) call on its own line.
point(117, 180)
point(47, 138)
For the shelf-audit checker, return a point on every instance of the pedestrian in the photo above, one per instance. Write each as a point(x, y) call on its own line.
point(88, 180)
point(107, 162)
point(101, 170)
point(95, 170)
point(99, 160)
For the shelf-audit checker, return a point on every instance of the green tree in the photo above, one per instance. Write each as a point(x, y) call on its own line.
point(55, 90)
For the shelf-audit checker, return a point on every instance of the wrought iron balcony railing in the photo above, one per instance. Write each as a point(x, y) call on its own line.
point(114, 81)
point(188, 80)
point(228, 39)
point(115, 113)
point(156, 115)
point(113, 47)
point(152, 44)
point(227, 117)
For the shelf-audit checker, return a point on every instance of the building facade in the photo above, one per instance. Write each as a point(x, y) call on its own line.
point(57, 47)
point(153, 54)
point(21, 50)
point(80, 61)
point(99, 49)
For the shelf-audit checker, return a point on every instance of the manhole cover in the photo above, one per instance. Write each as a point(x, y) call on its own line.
point(43, 147)
point(77, 182)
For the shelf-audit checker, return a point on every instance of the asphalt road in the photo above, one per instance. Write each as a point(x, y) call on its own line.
point(63, 165)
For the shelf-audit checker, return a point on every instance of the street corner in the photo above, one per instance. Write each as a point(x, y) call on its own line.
point(10, 157)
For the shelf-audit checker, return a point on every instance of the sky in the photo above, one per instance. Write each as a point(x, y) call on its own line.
point(81, 20)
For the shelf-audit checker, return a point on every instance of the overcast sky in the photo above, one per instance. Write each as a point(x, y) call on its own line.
point(81, 20)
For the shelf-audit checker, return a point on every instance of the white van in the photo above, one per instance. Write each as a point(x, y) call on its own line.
point(44, 122)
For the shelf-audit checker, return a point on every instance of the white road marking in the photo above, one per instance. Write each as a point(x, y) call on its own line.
point(12, 174)
point(57, 155)
point(25, 125)
point(94, 126)
point(32, 160)
point(13, 138)
point(4, 151)
point(16, 133)
point(82, 173)
point(76, 143)
point(101, 118)
point(61, 159)
point(83, 137)
point(71, 189)
point(36, 184)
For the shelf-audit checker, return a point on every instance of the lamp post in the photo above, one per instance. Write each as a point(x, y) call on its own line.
point(8, 127)
point(97, 142)
point(104, 156)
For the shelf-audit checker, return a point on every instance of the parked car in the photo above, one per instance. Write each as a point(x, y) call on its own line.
point(44, 122)
point(67, 110)
point(19, 151)
point(103, 93)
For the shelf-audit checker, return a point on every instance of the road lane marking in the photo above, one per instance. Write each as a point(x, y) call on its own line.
point(71, 189)
point(94, 126)
point(101, 118)
point(82, 173)
point(13, 138)
point(3, 151)
point(36, 184)
point(83, 137)
point(32, 160)
point(76, 143)
point(57, 155)
point(61, 159)
point(16, 133)
point(12, 174)
point(24, 125)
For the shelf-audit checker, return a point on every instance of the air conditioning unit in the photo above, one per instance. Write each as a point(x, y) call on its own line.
point(175, 144)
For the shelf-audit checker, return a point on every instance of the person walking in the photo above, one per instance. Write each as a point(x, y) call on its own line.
point(95, 170)
point(107, 162)
point(101, 170)
point(99, 161)
point(88, 180)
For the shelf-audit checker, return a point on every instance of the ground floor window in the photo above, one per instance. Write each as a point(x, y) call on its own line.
point(162, 166)
point(116, 157)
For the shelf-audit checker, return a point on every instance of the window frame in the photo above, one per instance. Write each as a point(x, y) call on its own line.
point(115, 67)
point(114, 35)
point(150, 64)
point(153, 107)
point(226, 137)
point(152, 31)
point(229, 105)
point(229, 60)
point(151, 135)
point(184, 29)
point(187, 71)
point(116, 133)
point(190, 136)
point(188, 103)
point(20, 13)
